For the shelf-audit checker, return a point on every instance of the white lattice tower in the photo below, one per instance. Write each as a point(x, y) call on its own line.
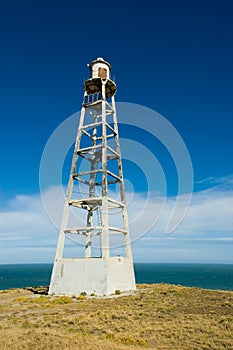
point(97, 145)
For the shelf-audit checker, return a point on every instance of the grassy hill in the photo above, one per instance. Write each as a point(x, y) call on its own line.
point(158, 316)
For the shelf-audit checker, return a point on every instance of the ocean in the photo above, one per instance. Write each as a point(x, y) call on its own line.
point(209, 276)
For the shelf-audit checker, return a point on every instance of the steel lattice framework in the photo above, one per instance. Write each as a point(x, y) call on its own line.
point(97, 146)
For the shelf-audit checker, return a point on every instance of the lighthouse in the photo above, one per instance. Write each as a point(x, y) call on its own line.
point(97, 171)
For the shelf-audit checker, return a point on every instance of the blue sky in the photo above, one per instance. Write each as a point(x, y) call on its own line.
point(174, 57)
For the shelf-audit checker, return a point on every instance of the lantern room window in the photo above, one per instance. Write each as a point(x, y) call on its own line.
point(102, 73)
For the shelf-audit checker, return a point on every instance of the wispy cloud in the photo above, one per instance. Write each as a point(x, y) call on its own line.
point(205, 234)
point(213, 181)
point(206, 180)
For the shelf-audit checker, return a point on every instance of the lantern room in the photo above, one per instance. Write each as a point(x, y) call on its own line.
point(100, 74)
point(100, 69)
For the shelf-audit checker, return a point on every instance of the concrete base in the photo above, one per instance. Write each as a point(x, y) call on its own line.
point(92, 275)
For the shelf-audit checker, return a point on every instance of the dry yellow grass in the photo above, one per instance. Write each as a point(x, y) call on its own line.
point(156, 316)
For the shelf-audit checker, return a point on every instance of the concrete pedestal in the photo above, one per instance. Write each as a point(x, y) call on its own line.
point(92, 275)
